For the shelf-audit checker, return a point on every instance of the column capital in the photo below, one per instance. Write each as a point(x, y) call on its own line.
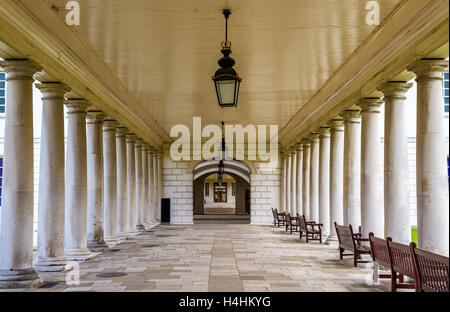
point(325, 132)
point(131, 137)
point(371, 105)
point(314, 137)
point(145, 147)
point(51, 90)
point(299, 147)
point(121, 132)
point(352, 116)
point(429, 69)
point(109, 125)
point(305, 142)
point(395, 89)
point(76, 106)
point(337, 124)
point(95, 116)
point(20, 69)
point(138, 142)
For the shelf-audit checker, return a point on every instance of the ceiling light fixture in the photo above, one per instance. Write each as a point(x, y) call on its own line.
point(226, 79)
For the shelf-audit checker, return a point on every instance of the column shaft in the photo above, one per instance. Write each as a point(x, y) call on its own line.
point(288, 183)
point(131, 185)
point(16, 242)
point(294, 183)
point(306, 177)
point(139, 186)
point(396, 172)
point(352, 169)
point(110, 182)
point(122, 185)
point(95, 231)
point(314, 178)
point(76, 182)
point(336, 176)
point(51, 256)
point(324, 180)
point(283, 182)
point(146, 205)
point(372, 210)
point(155, 184)
point(432, 174)
point(299, 182)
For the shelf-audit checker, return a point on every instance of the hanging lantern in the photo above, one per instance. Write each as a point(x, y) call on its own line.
point(226, 79)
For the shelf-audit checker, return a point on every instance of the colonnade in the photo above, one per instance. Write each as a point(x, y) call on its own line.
point(104, 191)
point(339, 174)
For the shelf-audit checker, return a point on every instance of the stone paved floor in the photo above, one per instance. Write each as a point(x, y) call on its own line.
point(209, 257)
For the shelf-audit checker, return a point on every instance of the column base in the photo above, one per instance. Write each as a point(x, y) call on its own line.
point(97, 246)
point(112, 241)
point(123, 236)
point(18, 279)
point(140, 228)
point(47, 264)
point(332, 240)
point(133, 232)
point(78, 254)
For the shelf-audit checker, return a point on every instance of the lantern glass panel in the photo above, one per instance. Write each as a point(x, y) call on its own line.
point(226, 91)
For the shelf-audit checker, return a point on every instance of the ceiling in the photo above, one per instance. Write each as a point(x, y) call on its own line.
point(165, 52)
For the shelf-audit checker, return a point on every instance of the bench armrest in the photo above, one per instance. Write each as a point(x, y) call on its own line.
point(360, 239)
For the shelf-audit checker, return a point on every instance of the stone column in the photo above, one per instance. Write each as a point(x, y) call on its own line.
point(283, 182)
point(324, 180)
point(306, 177)
point(76, 182)
point(151, 191)
point(139, 186)
point(288, 182)
point(372, 210)
point(336, 176)
point(352, 169)
point(396, 172)
point(294, 183)
point(314, 178)
point(432, 179)
point(160, 184)
point(299, 182)
point(122, 186)
point(95, 232)
point(51, 256)
point(145, 197)
point(16, 242)
point(110, 182)
point(131, 185)
point(155, 184)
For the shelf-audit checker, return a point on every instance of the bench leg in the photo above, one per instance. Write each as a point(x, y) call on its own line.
point(355, 260)
point(341, 251)
point(376, 275)
point(394, 282)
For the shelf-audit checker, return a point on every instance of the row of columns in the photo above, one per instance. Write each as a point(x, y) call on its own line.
point(103, 192)
point(337, 171)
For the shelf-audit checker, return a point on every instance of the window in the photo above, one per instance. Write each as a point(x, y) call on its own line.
point(2, 92)
point(1, 179)
point(220, 193)
point(206, 189)
point(445, 91)
point(233, 189)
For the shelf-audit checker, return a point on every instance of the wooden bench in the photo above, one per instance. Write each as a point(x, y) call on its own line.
point(279, 218)
point(351, 242)
point(380, 254)
point(432, 274)
point(401, 265)
point(312, 230)
point(292, 223)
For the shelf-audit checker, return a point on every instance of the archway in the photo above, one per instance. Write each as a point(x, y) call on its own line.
point(232, 199)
